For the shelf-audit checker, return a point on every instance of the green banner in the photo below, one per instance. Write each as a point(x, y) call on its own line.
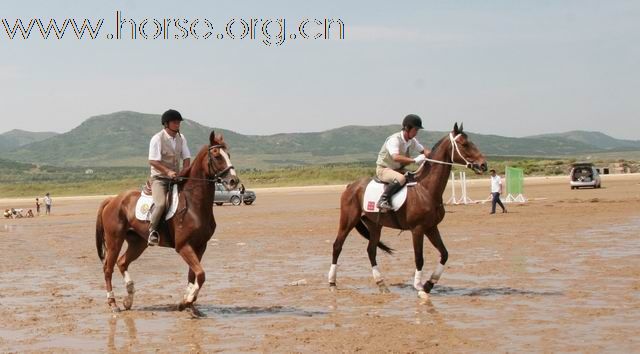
point(515, 180)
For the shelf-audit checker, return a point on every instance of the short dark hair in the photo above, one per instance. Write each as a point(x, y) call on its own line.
point(492, 170)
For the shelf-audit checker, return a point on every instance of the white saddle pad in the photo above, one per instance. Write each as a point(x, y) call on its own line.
point(373, 192)
point(143, 206)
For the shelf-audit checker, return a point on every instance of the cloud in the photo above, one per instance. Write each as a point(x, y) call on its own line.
point(9, 72)
point(399, 34)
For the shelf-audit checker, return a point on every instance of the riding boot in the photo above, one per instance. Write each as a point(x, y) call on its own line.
point(384, 204)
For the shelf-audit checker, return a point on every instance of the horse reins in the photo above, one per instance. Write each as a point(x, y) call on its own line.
point(216, 177)
point(454, 149)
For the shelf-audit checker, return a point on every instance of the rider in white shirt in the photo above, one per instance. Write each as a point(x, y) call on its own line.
point(395, 154)
point(166, 150)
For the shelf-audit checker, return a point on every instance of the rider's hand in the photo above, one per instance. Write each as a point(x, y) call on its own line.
point(172, 174)
point(419, 159)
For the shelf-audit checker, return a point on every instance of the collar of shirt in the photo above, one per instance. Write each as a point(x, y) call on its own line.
point(402, 137)
point(169, 136)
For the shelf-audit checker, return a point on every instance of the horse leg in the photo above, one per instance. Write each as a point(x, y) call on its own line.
point(374, 233)
point(349, 218)
point(135, 247)
point(434, 236)
point(191, 277)
point(113, 245)
point(191, 258)
point(418, 241)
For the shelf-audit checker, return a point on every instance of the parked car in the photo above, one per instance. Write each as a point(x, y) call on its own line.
point(235, 197)
point(584, 174)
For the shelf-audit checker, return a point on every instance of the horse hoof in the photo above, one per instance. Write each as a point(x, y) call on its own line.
point(423, 295)
point(114, 308)
point(333, 288)
point(428, 286)
point(182, 306)
point(195, 313)
point(383, 289)
point(127, 302)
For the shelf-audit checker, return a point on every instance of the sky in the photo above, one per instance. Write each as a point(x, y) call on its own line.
point(513, 68)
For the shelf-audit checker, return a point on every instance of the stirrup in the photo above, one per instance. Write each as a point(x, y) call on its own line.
point(154, 238)
point(384, 205)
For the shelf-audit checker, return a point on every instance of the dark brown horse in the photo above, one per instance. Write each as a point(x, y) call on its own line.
point(188, 231)
point(421, 213)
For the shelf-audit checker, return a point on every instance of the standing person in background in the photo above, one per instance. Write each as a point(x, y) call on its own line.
point(496, 190)
point(47, 204)
point(38, 206)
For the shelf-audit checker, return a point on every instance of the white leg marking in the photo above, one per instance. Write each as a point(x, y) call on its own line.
point(377, 276)
point(418, 283)
point(193, 292)
point(127, 277)
point(110, 295)
point(435, 276)
point(333, 273)
point(187, 291)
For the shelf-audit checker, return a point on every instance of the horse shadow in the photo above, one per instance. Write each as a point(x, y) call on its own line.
point(450, 291)
point(233, 311)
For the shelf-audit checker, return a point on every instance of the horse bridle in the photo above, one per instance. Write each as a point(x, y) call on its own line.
point(217, 176)
point(454, 149)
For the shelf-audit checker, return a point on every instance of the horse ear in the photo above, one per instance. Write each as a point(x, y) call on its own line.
point(461, 129)
point(212, 138)
point(455, 128)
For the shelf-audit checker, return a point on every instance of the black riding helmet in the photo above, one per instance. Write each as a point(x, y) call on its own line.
point(171, 115)
point(412, 121)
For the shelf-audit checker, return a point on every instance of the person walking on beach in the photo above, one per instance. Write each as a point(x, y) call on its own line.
point(496, 190)
point(38, 206)
point(47, 204)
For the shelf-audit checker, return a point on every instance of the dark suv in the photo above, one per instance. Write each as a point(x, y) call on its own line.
point(235, 197)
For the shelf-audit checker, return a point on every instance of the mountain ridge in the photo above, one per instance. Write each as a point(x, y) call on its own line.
point(121, 139)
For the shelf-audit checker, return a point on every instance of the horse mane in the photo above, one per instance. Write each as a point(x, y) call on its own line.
point(187, 171)
point(426, 166)
point(439, 142)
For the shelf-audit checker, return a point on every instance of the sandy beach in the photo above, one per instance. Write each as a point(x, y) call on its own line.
point(556, 274)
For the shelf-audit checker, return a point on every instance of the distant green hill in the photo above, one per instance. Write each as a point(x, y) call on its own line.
point(17, 138)
point(122, 138)
point(596, 139)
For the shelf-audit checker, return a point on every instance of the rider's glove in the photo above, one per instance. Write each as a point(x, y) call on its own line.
point(420, 159)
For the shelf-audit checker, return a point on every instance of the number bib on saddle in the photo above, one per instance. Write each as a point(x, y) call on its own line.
point(143, 206)
point(373, 192)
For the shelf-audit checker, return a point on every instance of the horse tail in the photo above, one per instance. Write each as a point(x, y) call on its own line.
point(100, 230)
point(362, 230)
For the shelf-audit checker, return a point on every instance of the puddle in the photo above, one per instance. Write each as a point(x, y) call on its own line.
point(444, 291)
point(242, 311)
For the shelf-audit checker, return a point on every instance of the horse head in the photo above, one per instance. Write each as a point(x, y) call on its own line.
point(465, 152)
point(219, 164)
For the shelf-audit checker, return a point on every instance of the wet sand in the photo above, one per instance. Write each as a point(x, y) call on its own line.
point(559, 273)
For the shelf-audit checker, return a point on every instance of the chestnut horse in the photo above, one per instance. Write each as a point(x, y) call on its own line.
point(188, 231)
point(422, 212)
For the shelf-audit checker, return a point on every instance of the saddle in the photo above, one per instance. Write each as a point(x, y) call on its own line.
point(145, 205)
point(409, 176)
